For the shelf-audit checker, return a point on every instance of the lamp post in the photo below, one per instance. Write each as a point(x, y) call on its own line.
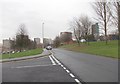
point(43, 34)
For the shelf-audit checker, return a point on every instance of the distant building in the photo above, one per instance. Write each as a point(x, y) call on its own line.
point(50, 41)
point(95, 31)
point(7, 45)
point(37, 40)
point(47, 41)
point(66, 37)
point(68, 34)
point(0, 48)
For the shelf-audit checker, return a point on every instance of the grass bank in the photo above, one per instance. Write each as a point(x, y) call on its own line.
point(97, 48)
point(23, 54)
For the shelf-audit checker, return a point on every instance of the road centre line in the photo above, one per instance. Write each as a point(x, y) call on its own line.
point(72, 75)
point(61, 65)
point(56, 60)
point(66, 69)
point(53, 62)
point(78, 81)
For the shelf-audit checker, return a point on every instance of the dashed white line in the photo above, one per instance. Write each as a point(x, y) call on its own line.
point(68, 71)
point(72, 75)
point(64, 68)
point(53, 62)
point(77, 81)
point(61, 65)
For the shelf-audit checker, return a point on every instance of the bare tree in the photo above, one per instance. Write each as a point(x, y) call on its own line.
point(114, 7)
point(81, 27)
point(116, 15)
point(118, 3)
point(76, 28)
point(86, 24)
point(22, 30)
point(104, 14)
point(56, 42)
point(22, 39)
point(66, 37)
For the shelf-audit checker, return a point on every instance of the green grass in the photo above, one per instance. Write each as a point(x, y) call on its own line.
point(97, 48)
point(23, 54)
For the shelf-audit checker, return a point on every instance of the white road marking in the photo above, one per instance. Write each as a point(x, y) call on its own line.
point(64, 68)
point(53, 62)
point(78, 81)
point(61, 65)
point(31, 66)
point(72, 75)
point(68, 71)
point(56, 60)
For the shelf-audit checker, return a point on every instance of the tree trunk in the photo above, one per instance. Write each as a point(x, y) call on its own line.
point(76, 38)
point(105, 24)
point(118, 19)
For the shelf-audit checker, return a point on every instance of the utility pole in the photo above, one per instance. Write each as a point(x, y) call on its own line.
point(43, 33)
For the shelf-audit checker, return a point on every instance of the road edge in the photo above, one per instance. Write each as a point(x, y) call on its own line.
point(24, 58)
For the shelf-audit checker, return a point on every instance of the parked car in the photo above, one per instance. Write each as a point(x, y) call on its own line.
point(49, 48)
point(3, 52)
point(13, 51)
point(82, 40)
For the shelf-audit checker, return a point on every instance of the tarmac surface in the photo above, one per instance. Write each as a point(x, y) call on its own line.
point(89, 68)
point(62, 66)
point(42, 69)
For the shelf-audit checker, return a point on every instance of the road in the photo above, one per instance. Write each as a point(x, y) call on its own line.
point(62, 66)
point(43, 69)
point(89, 68)
point(0, 73)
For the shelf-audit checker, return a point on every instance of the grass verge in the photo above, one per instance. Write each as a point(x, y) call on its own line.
point(97, 48)
point(23, 54)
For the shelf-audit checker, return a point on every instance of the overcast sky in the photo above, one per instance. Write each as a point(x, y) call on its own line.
point(56, 14)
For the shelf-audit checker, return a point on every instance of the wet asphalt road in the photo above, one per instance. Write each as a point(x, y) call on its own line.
point(43, 69)
point(89, 68)
point(73, 67)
